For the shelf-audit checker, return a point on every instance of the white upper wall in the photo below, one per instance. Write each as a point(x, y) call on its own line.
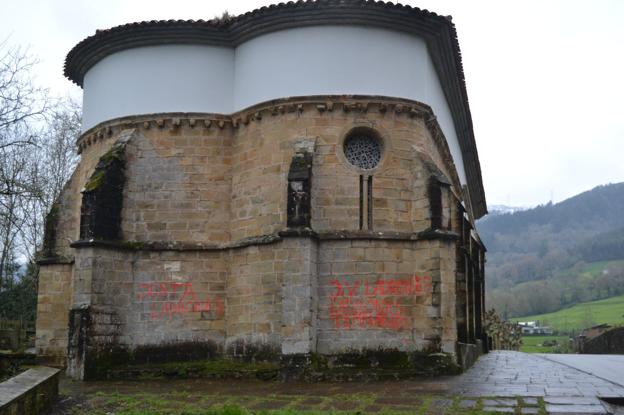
point(329, 60)
point(167, 78)
point(319, 60)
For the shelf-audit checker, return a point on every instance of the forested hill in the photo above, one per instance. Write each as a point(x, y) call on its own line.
point(536, 249)
point(603, 205)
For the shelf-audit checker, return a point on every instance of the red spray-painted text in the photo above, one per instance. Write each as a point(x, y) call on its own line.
point(167, 299)
point(378, 303)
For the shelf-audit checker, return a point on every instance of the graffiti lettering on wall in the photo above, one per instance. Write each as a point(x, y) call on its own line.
point(167, 299)
point(379, 303)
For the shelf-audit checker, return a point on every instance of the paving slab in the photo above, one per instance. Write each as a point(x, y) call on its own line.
point(439, 406)
point(576, 409)
point(469, 403)
point(605, 366)
point(501, 409)
point(500, 402)
point(576, 400)
point(516, 374)
point(530, 401)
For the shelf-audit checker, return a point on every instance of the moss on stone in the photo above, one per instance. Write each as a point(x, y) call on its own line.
point(220, 365)
point(133, 245)
point(212, 368)
point(205, 360)
point(252, 352)
point(95, 181)
point(318, 361)
point(49, 237)
point(116, 153)
point(113, 156)
point(379, 364)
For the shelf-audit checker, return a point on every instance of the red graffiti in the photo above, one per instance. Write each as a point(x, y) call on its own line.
point(167, 299)
point(375, 304)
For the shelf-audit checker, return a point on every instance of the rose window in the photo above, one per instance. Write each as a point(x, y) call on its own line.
point(363, 151)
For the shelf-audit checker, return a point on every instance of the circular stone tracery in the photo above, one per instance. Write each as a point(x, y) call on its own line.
point(363, 151)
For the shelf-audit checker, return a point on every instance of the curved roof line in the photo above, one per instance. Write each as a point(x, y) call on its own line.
point(438, 32)
point(232, 31)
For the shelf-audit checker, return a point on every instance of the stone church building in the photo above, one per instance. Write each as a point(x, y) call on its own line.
point(297, 181)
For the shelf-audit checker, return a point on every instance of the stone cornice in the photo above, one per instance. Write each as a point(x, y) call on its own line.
point(180, 246)
point(55, 260)
point(318, 104)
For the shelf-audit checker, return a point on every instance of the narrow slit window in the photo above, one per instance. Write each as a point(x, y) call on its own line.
point(361, 202)
point(435, 203)
point(369, 193)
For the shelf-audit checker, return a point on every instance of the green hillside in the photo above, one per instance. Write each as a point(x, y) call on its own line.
point(595, 269)
point(537, 259)
point(582, 283)
point(538, 344)
point(579, 316)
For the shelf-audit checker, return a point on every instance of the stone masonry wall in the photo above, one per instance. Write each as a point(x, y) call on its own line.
point(199, 180)
point(254, 300)
point(259, 295)
point(399, 198)
point(201, 257)
point(53, 303)
point(147, 298)
point(261, 155)
point(178, 186)
point(269, 294)
point(290, 297)
point(385, 295)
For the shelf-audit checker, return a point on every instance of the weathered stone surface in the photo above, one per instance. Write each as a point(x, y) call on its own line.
point(208, 254)
point(29, 393)
point(515, 374)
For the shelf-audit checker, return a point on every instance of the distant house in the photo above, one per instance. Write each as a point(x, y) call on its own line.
point(533, 328)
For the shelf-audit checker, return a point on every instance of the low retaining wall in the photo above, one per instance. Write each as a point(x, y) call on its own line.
point(9, 339)
point(11, 362)
point(29, 393)
point(468, 354)
point(609, 342)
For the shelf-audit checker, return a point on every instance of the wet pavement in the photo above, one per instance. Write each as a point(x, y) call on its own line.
point(563, 388)
point(606, 366)
point(505, 373)
point(500, 382)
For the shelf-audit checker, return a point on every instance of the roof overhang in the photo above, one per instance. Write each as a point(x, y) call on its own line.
point(438, 32)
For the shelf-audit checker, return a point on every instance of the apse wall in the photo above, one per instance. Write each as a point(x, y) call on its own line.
point(318, 60)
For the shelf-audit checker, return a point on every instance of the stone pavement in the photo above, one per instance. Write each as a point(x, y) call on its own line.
point(564, 390)
point(500, 382)
point(605, 366)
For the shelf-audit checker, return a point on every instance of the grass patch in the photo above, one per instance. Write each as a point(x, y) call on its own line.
point(191, 403)
point(535, 344)
point(583, 315)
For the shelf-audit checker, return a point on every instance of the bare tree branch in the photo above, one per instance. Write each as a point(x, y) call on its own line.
point(37, 156)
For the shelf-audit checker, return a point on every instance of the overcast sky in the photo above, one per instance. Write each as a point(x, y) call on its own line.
point(545, 78)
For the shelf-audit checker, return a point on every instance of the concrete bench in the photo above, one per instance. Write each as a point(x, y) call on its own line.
point(29, 393)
